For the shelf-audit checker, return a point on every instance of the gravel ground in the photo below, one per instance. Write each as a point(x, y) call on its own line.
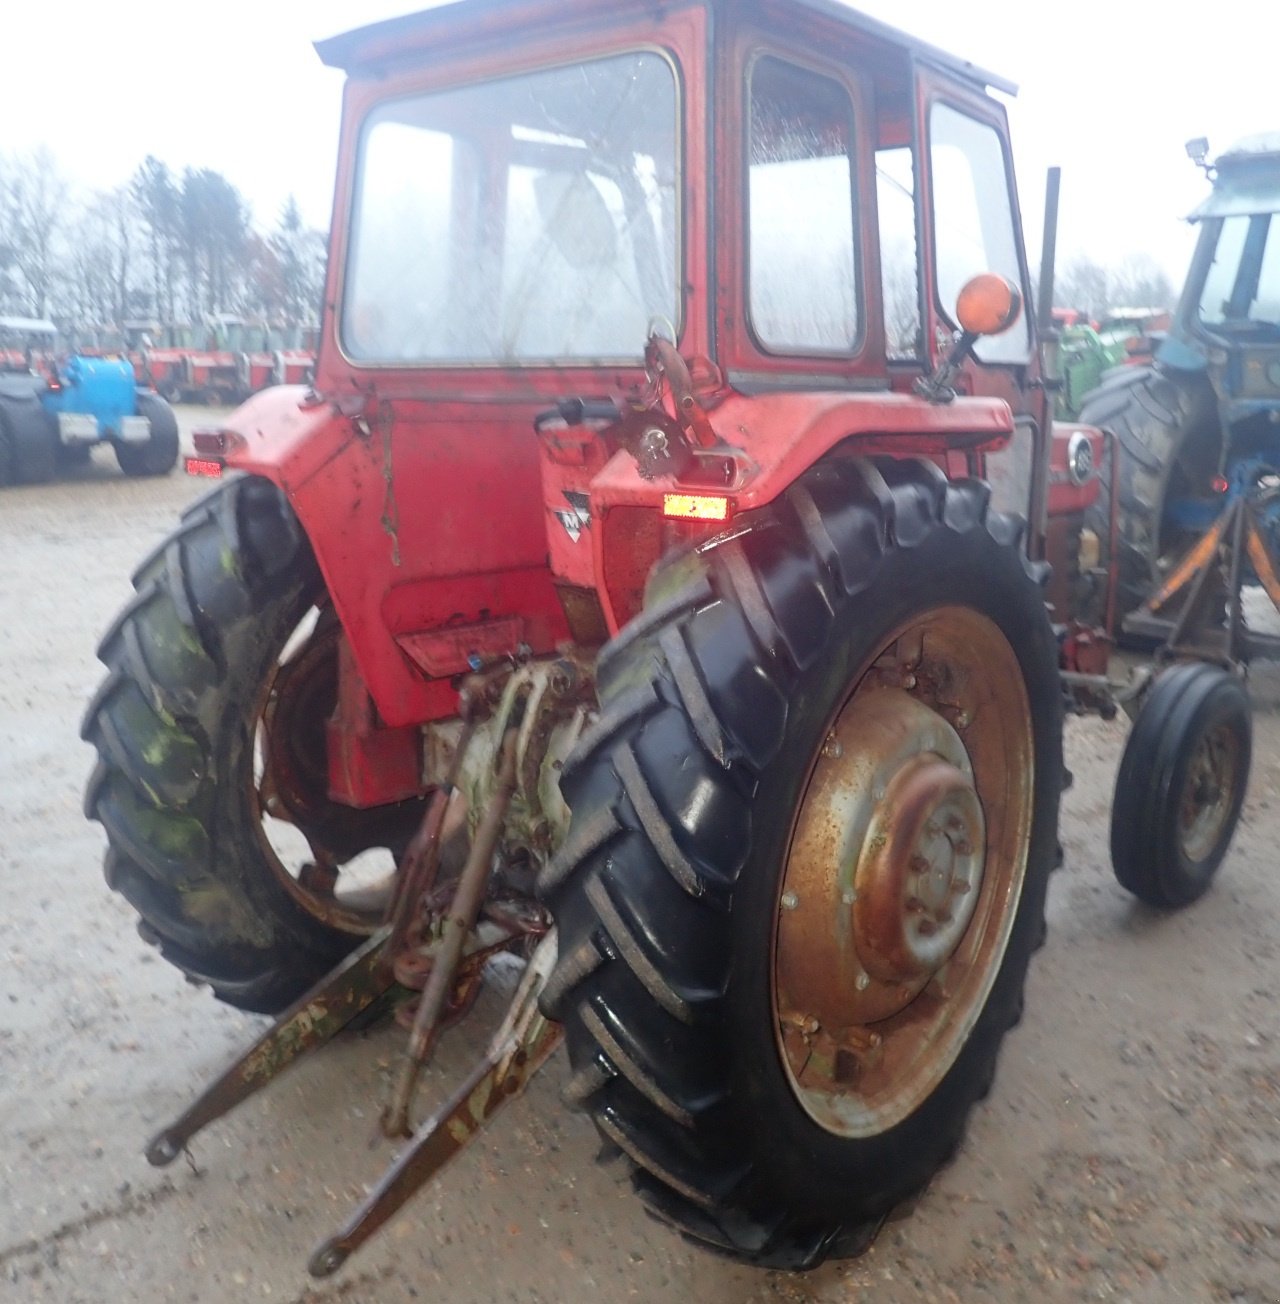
point(1129, 1150)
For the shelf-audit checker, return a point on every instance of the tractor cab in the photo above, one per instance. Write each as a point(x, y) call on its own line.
point(791, 195)
point(795, 193)
point(1228, 320)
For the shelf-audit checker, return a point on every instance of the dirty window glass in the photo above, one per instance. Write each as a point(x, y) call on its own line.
point(803, 269)
point(532, 218)
point(973, 219)
point(899, 267)
point(1243, 285)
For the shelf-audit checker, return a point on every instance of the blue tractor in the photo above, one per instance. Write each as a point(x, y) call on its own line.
point(1199, 427)
point(53, 414)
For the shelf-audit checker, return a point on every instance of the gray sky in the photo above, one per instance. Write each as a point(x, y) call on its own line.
point(1109, 90)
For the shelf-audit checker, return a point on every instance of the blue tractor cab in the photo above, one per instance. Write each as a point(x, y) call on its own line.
point(53, 413)
point(1200, 426)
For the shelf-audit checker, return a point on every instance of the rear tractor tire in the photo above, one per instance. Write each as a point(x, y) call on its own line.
point(159, 454)
point(28, 443)
point(1168, 432)
point(1181, 784)
point(806, 869)
point(211, 779)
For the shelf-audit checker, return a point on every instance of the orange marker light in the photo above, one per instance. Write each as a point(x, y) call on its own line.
point(695, 507)
point(988, 305)
point(205, 466)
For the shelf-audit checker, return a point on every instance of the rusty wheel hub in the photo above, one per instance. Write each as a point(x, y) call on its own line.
point(1207, 792)
point(314, 846)
point(902, 879)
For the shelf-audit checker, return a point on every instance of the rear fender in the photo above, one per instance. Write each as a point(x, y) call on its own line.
point(285, 436)
point(452, 549)
point(783, 436)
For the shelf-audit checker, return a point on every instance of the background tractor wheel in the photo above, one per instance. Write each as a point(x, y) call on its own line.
point(211, 779)
point(7, 468)
point(1170, 441)
point(158, 455)
point(1181, 784)
point(865, 680)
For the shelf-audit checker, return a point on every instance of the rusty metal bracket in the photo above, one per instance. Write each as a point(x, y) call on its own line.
point(316, 1018)
point(522, 1044)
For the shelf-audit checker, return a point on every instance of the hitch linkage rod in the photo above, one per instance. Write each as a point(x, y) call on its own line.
point(310, 1022)
point(522, 1044)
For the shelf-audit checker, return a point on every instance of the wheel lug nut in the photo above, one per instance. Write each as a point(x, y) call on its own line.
point(833, 749)
point(959, 886)
point(790, 900)
point(914, 905)
point(963, 848)
point(926, 927)
point(919, 865)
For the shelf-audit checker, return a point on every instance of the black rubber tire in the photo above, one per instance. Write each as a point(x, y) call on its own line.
point(71, 456)
point(1158, 417)
point(6, 454)
point(713, 702)
point(1147, 851)
point(160, 453)
point(187, 660)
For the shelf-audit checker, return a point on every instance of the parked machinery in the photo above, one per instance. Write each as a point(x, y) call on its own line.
point(628, 599)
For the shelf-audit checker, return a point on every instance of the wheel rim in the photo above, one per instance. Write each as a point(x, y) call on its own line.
point(904, 872)
point(1208, 792)
point(313, 847)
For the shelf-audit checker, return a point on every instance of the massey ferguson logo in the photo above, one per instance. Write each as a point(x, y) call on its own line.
point(577, 516)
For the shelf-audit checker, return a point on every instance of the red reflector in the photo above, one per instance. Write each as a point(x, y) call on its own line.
point(205, 466)
point(1220, 484)
point(695, 507)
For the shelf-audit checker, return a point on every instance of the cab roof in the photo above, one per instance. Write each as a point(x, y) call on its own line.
point(399, 40)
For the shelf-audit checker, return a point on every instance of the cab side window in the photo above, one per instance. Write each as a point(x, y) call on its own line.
point(973, 219)
point(899, 264)
point(804, 293)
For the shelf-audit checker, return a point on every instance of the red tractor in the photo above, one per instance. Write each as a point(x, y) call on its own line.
point(639, 590)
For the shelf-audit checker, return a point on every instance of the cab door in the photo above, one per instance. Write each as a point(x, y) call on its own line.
point(972, 224)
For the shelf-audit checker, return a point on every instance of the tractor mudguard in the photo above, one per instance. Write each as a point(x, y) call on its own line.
point(284, 436)
point(389, 499)
point(783, 435)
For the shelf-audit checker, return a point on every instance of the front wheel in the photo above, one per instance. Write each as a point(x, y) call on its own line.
point(160, 452)
point(808, 857)
point(212, 779)
point(1181, 784)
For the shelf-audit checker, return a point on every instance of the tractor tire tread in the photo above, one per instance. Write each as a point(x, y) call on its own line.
point(642, 905)
point(163, 724)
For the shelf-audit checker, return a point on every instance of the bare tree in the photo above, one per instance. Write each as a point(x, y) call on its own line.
point(1139, 282)
point(157, 201)
point(34, 198)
